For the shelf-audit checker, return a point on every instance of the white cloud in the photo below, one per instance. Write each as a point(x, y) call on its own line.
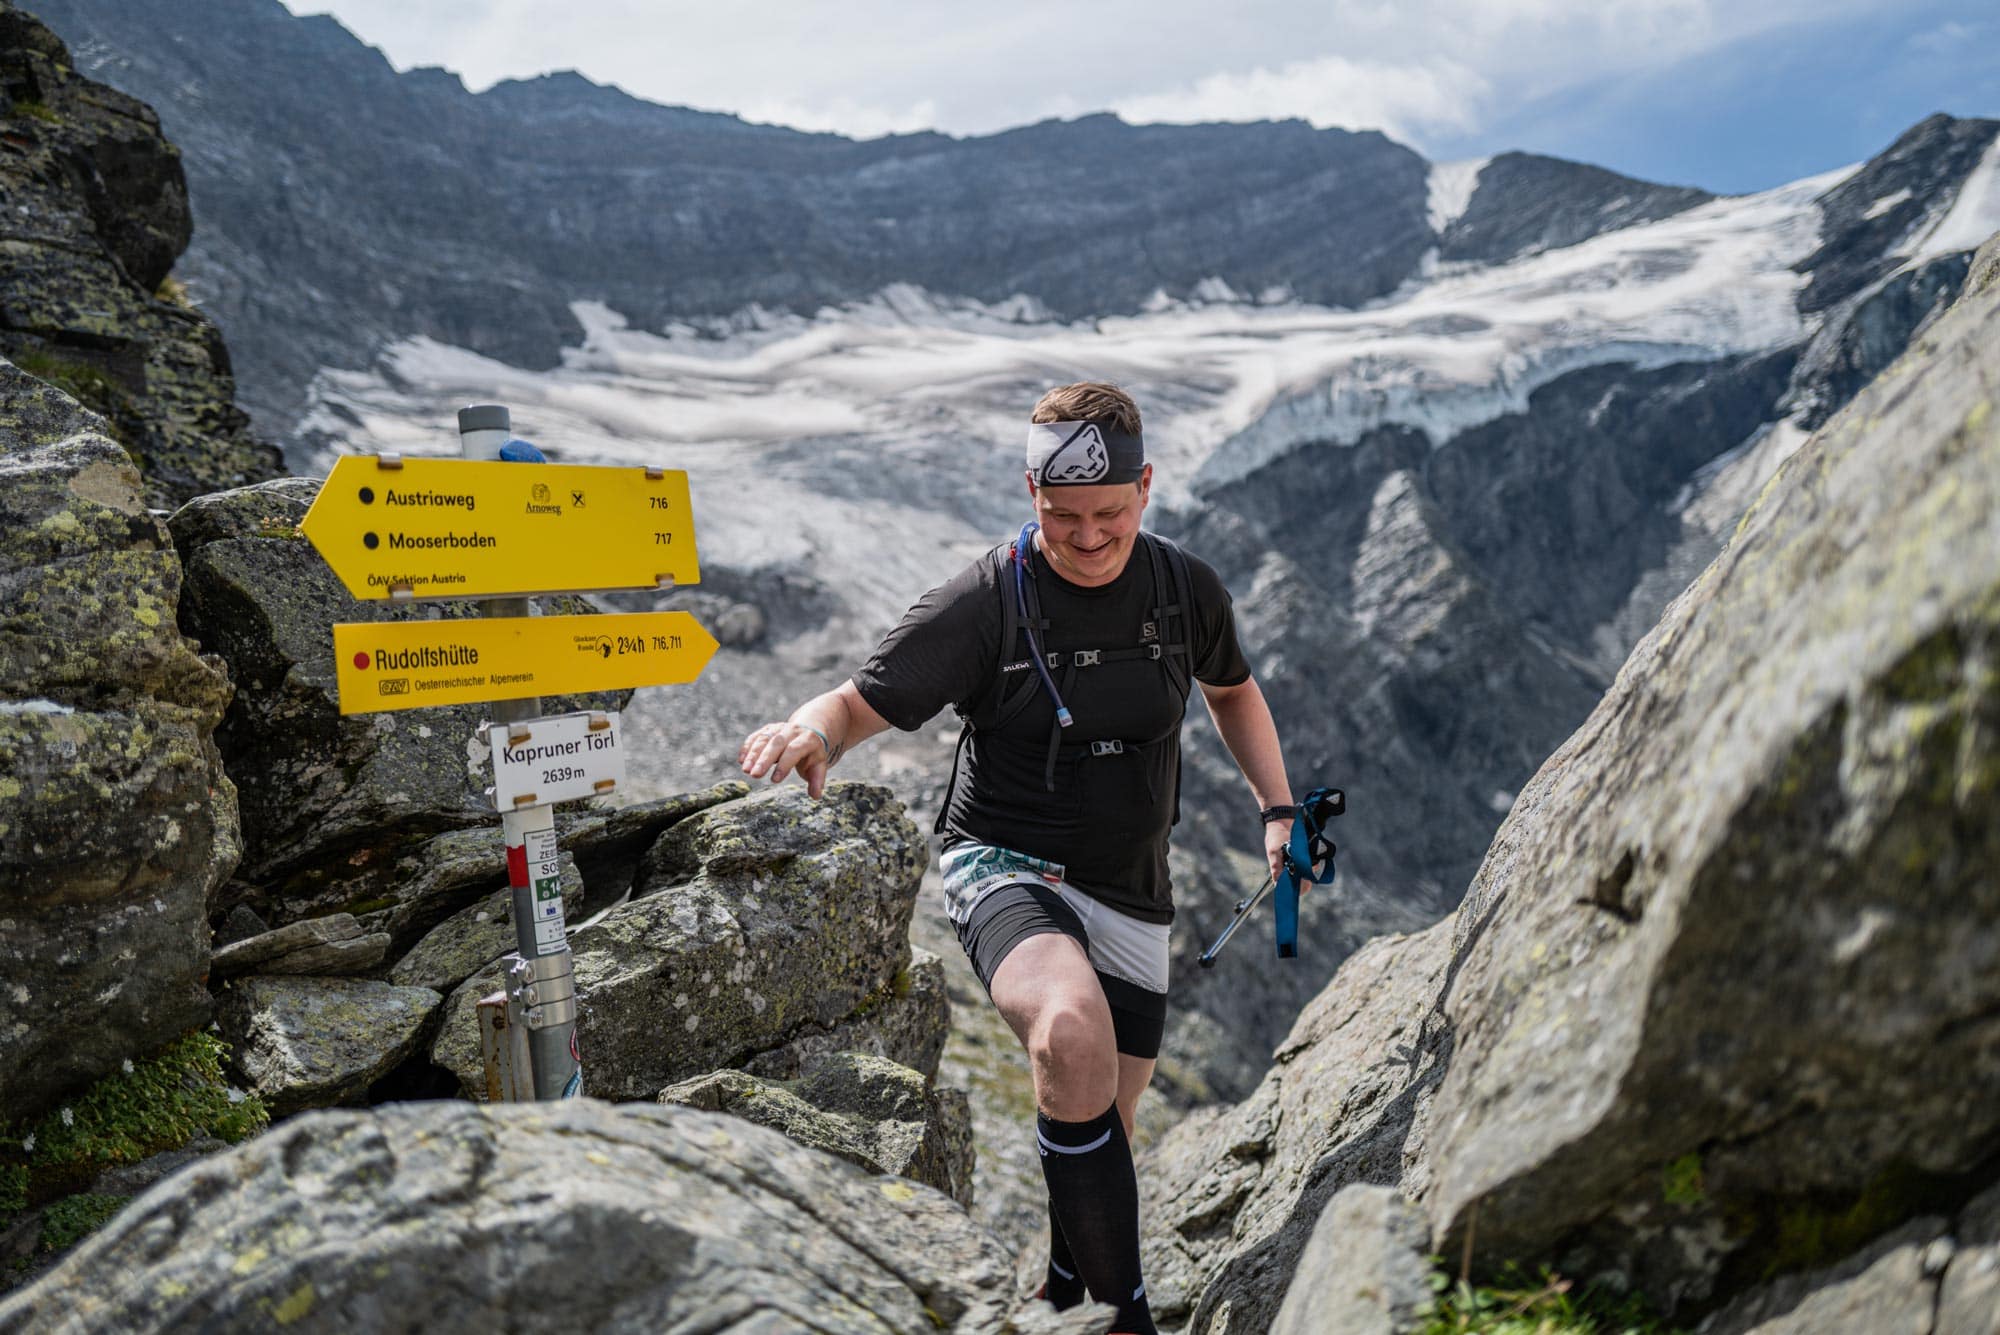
point(1947, 39)
point(1415, 68)
point(843, 115)
point(1407, 101)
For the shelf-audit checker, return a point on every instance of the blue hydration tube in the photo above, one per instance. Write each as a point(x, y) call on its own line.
point(1021, 603)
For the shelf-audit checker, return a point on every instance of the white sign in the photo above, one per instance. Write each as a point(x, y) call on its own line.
point(556, 759)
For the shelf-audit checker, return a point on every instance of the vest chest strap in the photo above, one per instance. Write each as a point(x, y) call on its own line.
point(1097, 657)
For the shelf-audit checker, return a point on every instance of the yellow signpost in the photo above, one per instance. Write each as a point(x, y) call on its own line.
point(396, 527)
point(387, 665)
point(502, 524)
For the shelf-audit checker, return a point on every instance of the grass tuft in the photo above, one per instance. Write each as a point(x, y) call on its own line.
point(69, 1222)
point(1545, 1304)
point(152, 1106)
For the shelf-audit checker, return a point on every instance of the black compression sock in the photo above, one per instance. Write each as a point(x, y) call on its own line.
point(1095, 1196)
point(1064, 1287)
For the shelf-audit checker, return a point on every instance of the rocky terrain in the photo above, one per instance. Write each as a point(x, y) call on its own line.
point(480, 230)
point(1454, 436)
point(1720, 1004)
point(195, 845)
point(1714, 1023)
point(97, 215)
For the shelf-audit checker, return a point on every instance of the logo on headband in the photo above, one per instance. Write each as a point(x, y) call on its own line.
point(1081, 458)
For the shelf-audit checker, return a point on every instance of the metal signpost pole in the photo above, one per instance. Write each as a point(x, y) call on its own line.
point(541, 988)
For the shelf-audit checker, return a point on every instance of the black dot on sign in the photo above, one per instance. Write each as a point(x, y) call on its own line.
point(370, 541)
point(368, 495)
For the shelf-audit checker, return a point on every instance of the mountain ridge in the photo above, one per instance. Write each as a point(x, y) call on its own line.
point(700, 213)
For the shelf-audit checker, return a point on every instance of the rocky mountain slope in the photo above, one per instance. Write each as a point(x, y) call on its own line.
point(1715, 1023)
point(1445, 516)
point(97, 216)
point(1447, 513)
point(332, 224)
point(1717, 1019)
point(1453, 448)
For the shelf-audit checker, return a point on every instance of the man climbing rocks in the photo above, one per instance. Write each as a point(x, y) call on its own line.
point(1069, 654)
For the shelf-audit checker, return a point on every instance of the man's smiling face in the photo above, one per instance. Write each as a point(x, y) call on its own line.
point(1088, 532)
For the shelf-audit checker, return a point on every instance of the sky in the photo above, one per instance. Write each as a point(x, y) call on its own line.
point(1723, 95)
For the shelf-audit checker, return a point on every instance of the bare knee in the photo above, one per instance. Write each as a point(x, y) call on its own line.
point(1075, 1059)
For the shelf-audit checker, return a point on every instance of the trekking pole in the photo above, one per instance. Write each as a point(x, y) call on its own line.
point(1308, 860)
point(1244, 908)
point(540, 977)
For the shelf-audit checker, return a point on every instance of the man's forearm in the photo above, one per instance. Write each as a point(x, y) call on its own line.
point(842, 717)
point(826, 715)
point(1243, 719)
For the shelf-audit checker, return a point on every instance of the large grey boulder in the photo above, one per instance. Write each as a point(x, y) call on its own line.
point(312, 1042)
point(116, 820)
point(97, 213)
point(333, 805)
point(1730, 976)
point(452, 1217)
point(1233, 1197)
point(1365, 1271)
point(906, 1024)
point(760, 920)
point(1736, 953)
point(874, 1113)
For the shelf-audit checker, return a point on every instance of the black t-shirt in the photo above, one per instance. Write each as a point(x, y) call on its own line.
point(1109, 816)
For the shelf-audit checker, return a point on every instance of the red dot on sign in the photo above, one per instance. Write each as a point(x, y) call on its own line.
point(361, 660)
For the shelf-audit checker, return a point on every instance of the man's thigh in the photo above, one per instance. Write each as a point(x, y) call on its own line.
point(1044, 974)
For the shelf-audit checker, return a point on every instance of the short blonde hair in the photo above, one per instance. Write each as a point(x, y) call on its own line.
point(1089, 401)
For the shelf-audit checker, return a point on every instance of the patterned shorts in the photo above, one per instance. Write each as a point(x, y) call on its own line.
point(998, 898)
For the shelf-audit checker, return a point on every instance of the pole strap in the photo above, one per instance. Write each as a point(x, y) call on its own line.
point(1308, 860)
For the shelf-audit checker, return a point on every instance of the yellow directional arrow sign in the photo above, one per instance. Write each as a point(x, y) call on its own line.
point(465, 528)
point(384, 665)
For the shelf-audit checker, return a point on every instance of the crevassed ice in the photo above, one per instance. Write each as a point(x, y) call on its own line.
point(863, 439)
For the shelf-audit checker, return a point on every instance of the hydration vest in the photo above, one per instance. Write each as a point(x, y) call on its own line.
point(1171, 645)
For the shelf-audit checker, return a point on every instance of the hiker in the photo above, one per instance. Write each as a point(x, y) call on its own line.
point(1069, 654)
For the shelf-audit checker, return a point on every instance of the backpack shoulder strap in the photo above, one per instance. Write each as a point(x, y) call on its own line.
point(1173, 612)
point(996, 704)
point(1006, 699)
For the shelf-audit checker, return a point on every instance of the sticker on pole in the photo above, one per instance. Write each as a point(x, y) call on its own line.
point(561, 758)
point(545, 879)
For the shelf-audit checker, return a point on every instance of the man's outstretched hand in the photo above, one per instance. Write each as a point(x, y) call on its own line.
point(778, 749)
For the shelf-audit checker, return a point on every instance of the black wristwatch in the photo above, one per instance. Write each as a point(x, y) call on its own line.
point(1283, 811)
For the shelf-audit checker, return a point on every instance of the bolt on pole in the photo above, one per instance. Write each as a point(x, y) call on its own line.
point(540, 980)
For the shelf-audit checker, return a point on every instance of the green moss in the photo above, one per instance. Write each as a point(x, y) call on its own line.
point(1546, 1304)
point(371, 905)
point(1804, 1233)
point(1809, 1234)
point(13, 1189)
point(158, 1104)
point(41, 111)
point(1680, 1181)
point(70, 1221)
point(80, 380)
point(1932, 670)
